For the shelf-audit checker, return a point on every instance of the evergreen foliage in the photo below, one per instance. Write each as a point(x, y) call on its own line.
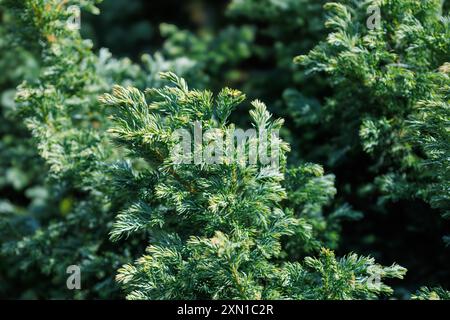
point(395, 78)
point(431, 294)
point(60, 108)
point(215, 229)
point(89, 178)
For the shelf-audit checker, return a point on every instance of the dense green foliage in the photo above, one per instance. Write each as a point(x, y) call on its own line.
point(87, 176)
point(394, 77)
point(215, 229)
